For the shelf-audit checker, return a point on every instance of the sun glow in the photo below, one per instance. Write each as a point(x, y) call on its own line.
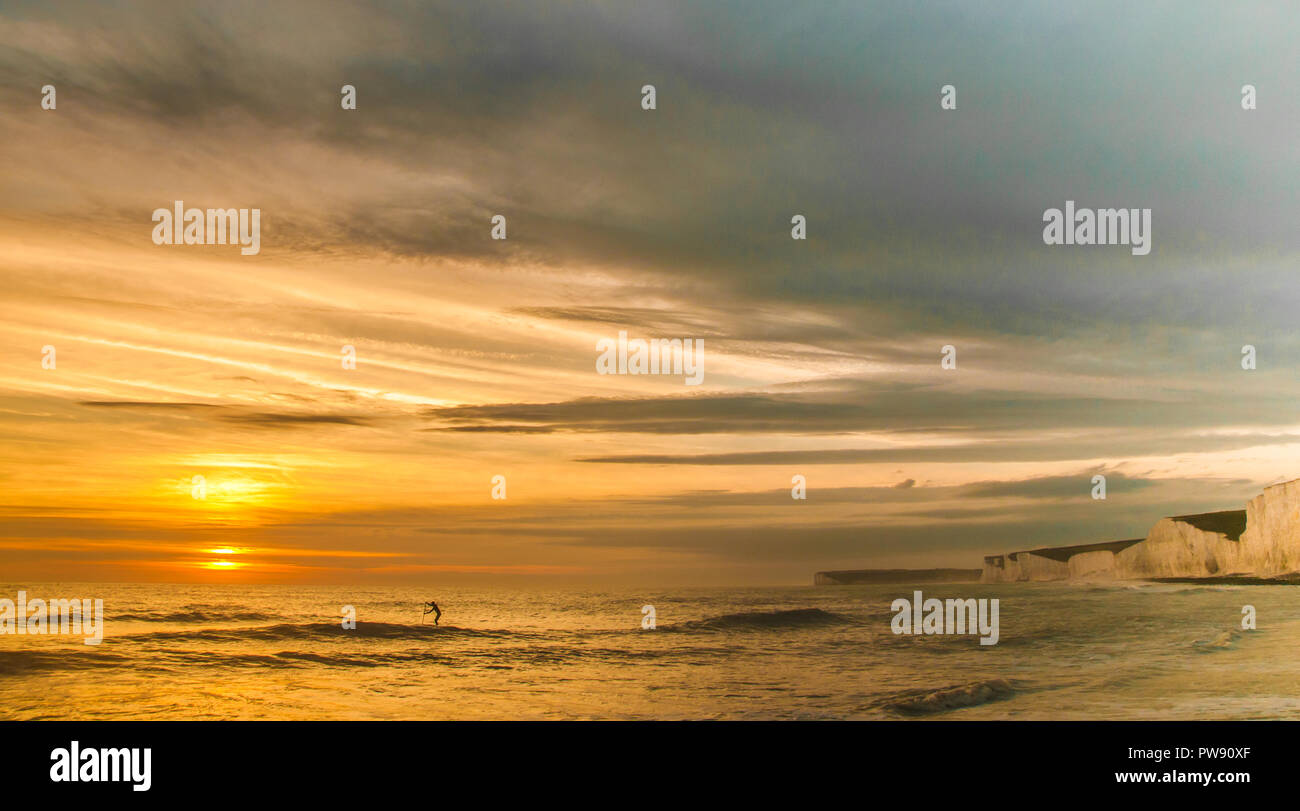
point(222, 564)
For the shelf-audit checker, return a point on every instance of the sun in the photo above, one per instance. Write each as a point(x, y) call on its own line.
point(220, 565)
point(223, 564)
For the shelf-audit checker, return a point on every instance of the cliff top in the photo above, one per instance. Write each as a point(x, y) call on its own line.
point(1064, 553)
point(1227, 522)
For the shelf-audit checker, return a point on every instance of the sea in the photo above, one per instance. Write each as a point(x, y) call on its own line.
point(1120, 651)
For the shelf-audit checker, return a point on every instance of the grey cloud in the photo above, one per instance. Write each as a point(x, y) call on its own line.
point(267, 419)
point(1076, 487)
point(144, 405)
point(259, 419)
point(860, 406)
point(905, 207)
point(1025, 450)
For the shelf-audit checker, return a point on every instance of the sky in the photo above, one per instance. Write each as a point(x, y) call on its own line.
point(477, 357)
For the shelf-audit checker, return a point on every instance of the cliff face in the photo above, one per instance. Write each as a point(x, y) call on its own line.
point(1089, 561)
point(1098, 565)
point(1262, 541)
point(1178, 547)
point(1037, 567)
point(1000, 569)
point(1270, 546)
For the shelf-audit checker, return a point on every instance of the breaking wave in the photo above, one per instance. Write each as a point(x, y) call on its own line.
point(193, 616)
point(324, 630)
point(955, 697)
point(1223, 641)
point(15, 662)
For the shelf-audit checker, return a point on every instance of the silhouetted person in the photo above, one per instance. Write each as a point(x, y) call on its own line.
point(433, 609)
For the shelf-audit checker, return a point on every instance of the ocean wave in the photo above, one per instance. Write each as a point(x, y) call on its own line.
point(322, 630)
point(17, 662)
point(178, 659)
point(1184, 586)
point(764, 620)
point(300, 659)
point(946, 699)
point(193, 616)
point(1223, 641)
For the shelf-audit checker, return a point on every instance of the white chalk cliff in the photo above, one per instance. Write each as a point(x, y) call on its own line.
point(1262, 541)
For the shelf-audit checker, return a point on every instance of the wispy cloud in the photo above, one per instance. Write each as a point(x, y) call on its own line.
point(475, 357)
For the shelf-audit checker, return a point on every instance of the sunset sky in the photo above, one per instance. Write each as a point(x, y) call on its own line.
point(476, 357)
